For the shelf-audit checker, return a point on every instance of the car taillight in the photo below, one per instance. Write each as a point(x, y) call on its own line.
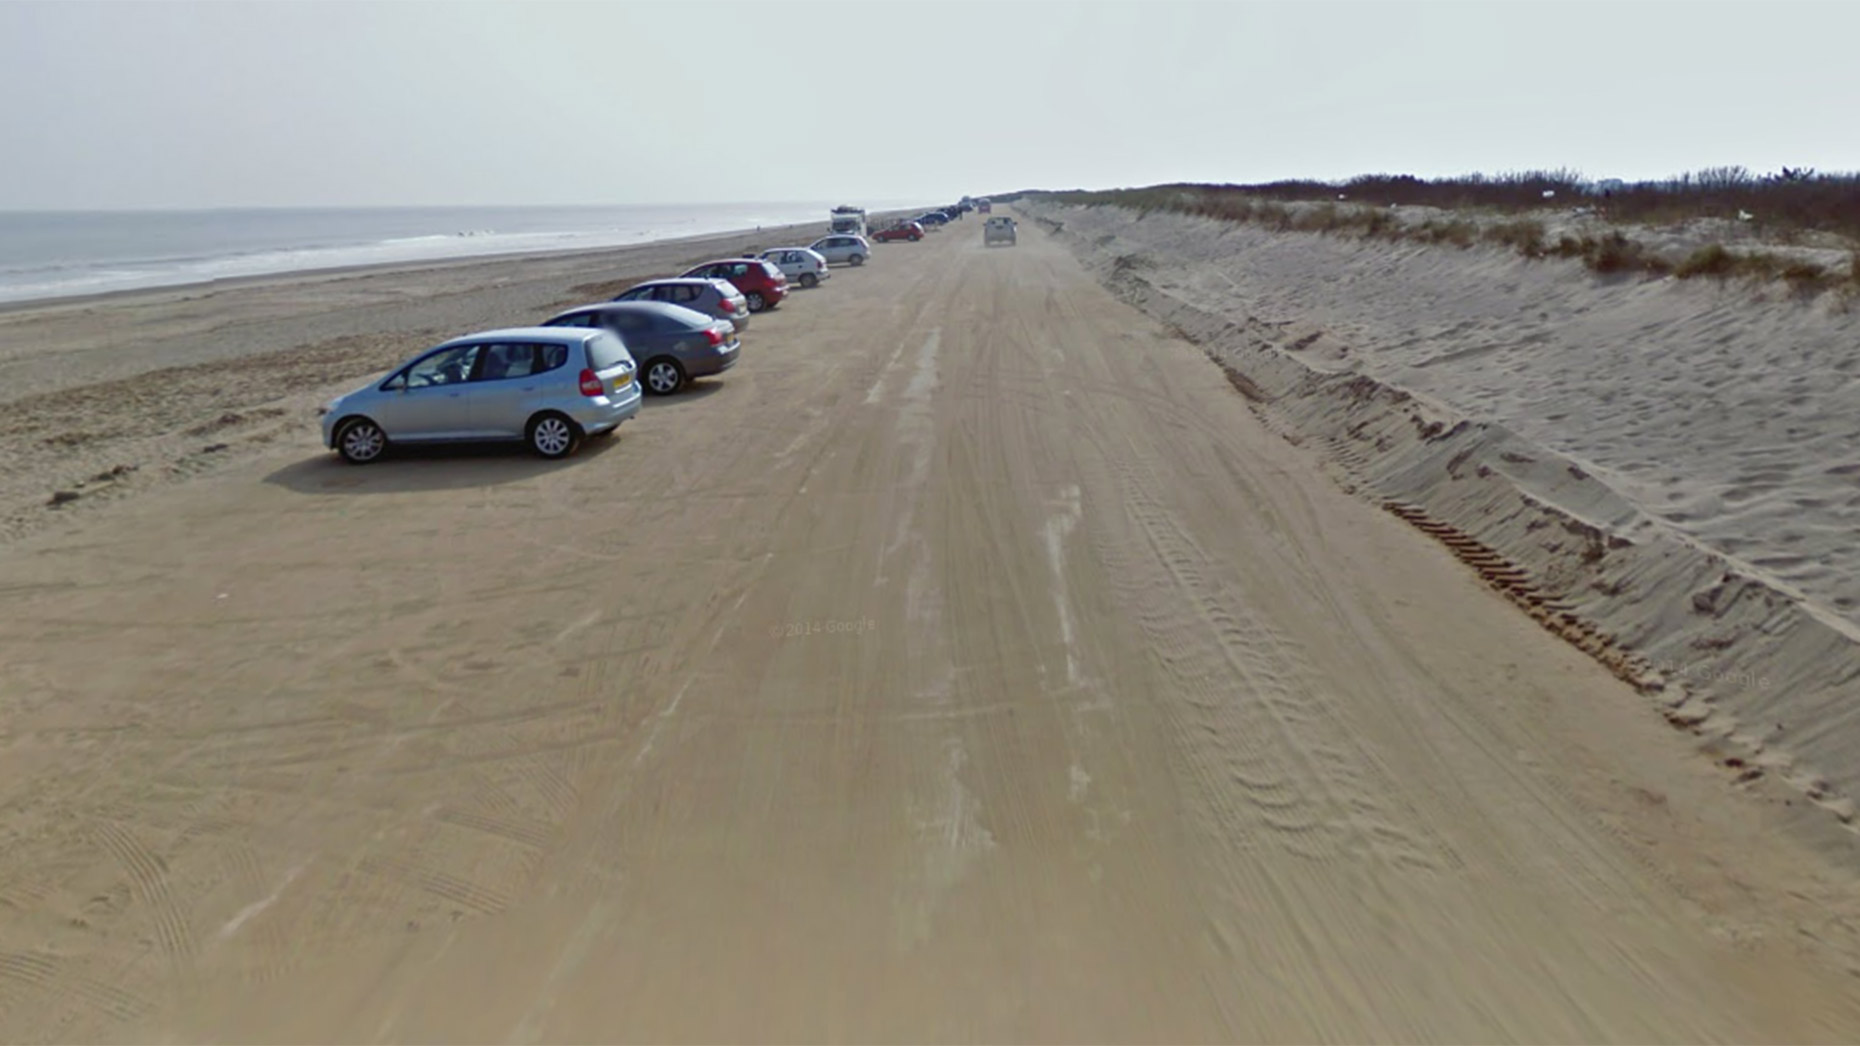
point(591, 383)
point(715, 336)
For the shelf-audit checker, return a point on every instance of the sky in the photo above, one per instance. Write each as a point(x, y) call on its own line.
point(263, 103)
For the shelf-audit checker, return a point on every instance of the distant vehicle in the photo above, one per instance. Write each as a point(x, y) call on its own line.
point(911, 231)
point(932, 219)
point(762, 284)
point(803, 265)
point(850, 250)
point(999, 229)
point(718, 298)
point(671, 344)
point(848, 220)
point(549, 387)
point(983, 206)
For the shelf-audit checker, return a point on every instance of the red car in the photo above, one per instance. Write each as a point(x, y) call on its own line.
point(902, 231)
point(762, 284)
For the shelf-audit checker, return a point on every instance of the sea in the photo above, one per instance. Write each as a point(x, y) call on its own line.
point(55, 254)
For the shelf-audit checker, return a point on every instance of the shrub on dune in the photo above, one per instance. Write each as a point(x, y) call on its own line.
point(1709, 260)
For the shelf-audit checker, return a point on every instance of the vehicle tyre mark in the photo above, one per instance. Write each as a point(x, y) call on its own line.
point(148, 875)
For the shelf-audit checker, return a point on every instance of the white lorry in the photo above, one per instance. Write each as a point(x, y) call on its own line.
point(848, 221)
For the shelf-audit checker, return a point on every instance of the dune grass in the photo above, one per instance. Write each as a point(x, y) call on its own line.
point(1783, 208)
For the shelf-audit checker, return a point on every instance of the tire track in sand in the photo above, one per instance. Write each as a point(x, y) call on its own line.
point(1294, 765)
point(148, 878)
point(24, 975)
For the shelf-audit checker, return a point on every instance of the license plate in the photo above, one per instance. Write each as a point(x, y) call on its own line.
point(622, 382)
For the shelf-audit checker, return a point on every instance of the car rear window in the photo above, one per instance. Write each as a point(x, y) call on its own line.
point(606, 352)
point(771, 269)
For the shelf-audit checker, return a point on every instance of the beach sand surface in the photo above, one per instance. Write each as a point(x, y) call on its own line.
point(971, 662)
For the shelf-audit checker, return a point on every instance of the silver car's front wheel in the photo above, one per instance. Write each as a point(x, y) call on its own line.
point(360, 441)
point(553, 436)
point(663, 377)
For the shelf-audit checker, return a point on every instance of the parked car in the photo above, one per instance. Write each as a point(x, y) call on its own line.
point(762, 284)
point(848, 250)
point(932, 219)
point(670, 343)
point(802, 265)
point(999, 229)
point(911, 231)
point(547, 386)
point(718, 298)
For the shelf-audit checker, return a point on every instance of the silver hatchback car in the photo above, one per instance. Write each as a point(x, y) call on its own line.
point(546, 386)
point(803, 265)
point(714, 297)
point(842, 249)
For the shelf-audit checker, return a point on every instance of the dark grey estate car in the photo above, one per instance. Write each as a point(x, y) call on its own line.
point(672, 344)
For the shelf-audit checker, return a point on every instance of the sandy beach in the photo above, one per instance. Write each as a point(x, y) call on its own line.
point(1019, 644)
point(122, 393)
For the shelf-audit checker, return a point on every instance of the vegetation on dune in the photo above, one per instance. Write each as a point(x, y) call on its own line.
point(1783, 208)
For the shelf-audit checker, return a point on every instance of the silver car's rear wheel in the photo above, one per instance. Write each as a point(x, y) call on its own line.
point(664, 377)
point(360, 441)
point(857, 259)
point(553, 436)
point(808, 279)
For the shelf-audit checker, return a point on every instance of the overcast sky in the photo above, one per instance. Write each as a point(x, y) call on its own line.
point(152, 104)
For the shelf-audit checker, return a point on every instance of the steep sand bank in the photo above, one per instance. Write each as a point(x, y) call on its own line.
point(1668, 473)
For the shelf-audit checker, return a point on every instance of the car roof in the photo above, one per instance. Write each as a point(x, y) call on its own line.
point(677, 281)
point(663, 308)
point(526, 334)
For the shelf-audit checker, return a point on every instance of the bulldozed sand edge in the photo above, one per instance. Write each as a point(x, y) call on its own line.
point(1755, 671)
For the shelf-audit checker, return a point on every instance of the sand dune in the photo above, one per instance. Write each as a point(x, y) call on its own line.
point(1691, 446)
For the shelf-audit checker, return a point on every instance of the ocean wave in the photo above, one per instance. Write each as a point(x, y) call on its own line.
point(62, 277)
